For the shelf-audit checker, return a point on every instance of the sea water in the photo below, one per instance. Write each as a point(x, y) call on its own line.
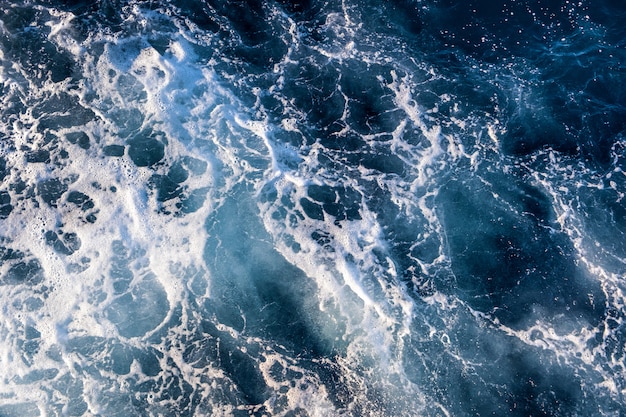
point(312, 208)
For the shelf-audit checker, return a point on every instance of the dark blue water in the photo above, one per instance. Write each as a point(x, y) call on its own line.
point(312, 208)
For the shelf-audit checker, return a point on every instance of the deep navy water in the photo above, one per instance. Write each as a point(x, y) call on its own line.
point(312, 208)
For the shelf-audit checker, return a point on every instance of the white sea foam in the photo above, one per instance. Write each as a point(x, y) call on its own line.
point(392, 329)
point(162, 89)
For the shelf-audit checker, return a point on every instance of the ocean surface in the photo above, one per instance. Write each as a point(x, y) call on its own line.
point(312, 208)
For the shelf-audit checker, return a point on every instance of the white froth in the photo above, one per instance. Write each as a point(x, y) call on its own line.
point(129, 214)
point(360, 287)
